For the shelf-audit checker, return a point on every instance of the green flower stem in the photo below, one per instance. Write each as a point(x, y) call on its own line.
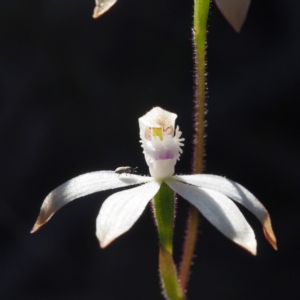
point(201, 8)
point(164, 215)
point(168, 276)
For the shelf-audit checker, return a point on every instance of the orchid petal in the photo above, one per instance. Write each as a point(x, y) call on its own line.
point(121, 210)
point(102, 6)
point(80, 186)
point(237, 193)
point(220, 211)
point(234, 11)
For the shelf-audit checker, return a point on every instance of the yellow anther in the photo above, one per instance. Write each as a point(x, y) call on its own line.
point(157, 132)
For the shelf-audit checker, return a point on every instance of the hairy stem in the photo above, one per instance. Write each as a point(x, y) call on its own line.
point(163, 206)
point(201, 8)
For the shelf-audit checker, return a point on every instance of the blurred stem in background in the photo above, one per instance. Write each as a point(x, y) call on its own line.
point(201, 9)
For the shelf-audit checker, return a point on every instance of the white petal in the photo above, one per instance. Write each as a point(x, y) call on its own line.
point(121, 210)
point(80, 186)
point(236, 192)
point(234, 11)
point(157, 117)
point(102, 6)
point(229, 188)
point(220, 211)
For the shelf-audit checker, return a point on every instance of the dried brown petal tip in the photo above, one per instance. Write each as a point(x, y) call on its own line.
point(42, 219)
point(269, 233)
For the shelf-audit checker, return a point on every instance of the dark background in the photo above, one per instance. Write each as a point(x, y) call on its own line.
point(71, 91)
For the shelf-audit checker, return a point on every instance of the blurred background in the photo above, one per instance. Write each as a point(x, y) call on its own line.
point(71, 91)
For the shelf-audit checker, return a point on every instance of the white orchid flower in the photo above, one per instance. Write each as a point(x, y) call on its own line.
point(234, 11)
point(211, 195)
